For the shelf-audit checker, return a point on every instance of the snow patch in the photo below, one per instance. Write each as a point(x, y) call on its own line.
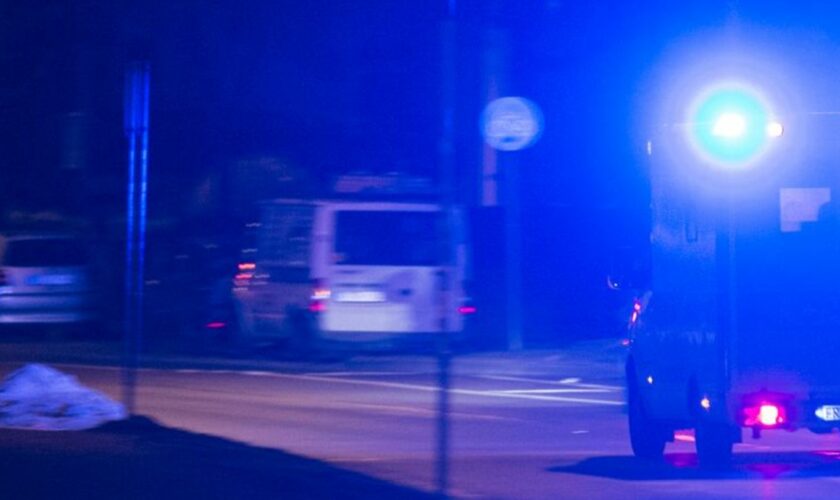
point(40, 397)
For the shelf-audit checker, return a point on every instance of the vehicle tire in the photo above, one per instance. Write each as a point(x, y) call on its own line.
point(647, 437)
point(714, 443)
point(300, 330)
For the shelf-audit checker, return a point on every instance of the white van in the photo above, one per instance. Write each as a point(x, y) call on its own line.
point(354, 271)
point(380, 270)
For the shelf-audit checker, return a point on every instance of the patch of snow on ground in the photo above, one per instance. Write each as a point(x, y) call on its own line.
point(40, 397)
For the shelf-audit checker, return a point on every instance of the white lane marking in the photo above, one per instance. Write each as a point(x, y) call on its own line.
point(580, 432)
point(376, 383)
point(465, 392)
point(565, 381)
point(364, 374)
point(552, 391)
point(420, 412)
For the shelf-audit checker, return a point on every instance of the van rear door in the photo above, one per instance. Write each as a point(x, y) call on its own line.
point(384, 269)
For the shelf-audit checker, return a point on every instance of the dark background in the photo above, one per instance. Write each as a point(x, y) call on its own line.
point(274, 98)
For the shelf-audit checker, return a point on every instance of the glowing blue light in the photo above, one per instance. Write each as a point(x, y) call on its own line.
point(729, 125)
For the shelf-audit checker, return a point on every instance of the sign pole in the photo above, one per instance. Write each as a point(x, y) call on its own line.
point(136, 127)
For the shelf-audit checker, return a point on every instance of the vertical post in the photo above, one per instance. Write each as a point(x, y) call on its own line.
point(503, 165)
point(447, 183)
point(136, 126)
point(513, 250)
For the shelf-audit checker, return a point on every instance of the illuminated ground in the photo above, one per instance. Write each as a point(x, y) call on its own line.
point(532, 425)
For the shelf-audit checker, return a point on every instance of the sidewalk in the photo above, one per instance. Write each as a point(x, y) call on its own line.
point(138, 459)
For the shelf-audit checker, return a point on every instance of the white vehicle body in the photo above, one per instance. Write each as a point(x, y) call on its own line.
point(382, 268)
point(44, 279)
point(353, 270)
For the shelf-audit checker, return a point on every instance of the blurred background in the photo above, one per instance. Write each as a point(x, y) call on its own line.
point(275, 100)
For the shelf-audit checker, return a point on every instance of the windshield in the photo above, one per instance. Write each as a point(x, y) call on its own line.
point(388, 238)
point(44, 252)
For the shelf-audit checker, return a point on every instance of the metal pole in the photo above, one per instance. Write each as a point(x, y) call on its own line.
point(136, 125)
point(129, 362)
point(514, 253)
point(447, 174)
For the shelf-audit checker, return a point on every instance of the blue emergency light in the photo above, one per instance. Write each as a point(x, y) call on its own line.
point(732, 125)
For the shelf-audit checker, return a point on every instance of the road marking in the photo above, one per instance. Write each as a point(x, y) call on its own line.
point(464, 392)
point(552, 391)
point(420, 412)
point(388, 385)
point(364, 374)
point(566, 381)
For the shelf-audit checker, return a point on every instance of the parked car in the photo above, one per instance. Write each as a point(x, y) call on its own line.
point(44, 278)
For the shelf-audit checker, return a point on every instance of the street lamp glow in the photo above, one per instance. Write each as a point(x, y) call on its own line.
point(730, 126)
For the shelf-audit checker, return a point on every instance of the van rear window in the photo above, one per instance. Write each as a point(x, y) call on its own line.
point(388, 238)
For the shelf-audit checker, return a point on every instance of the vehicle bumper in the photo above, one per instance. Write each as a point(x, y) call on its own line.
point(33, 309)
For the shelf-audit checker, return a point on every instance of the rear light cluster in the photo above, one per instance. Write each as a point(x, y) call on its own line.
point(637, 311)
point(318, 300)
point(245, 272)
point(467, 306)
point(467, 309)
point(765, 414)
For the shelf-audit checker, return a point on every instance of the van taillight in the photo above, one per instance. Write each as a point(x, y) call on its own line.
point(244, 273)
point(318, 300)
point(467, 309)
point(765, 415)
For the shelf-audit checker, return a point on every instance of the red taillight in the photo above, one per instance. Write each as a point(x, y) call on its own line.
point(765, 415)
point(467, 309)
point(318, 300)
point(637, 311)
point(244, 273)
point(216, 325)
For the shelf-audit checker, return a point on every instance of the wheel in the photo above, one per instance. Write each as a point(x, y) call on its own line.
point(300, 329)
point(714, 443)
point(647, 437)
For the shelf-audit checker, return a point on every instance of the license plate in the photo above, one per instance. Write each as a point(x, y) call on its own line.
point(829, 413)
point(361, 296)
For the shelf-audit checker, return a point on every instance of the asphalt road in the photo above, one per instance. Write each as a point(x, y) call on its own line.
point(529, 425)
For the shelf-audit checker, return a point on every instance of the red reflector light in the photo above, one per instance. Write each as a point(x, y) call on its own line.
point(246, 266)
point(467, 310)
point(320, 295)
point(215, 325)
point(765, 415)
